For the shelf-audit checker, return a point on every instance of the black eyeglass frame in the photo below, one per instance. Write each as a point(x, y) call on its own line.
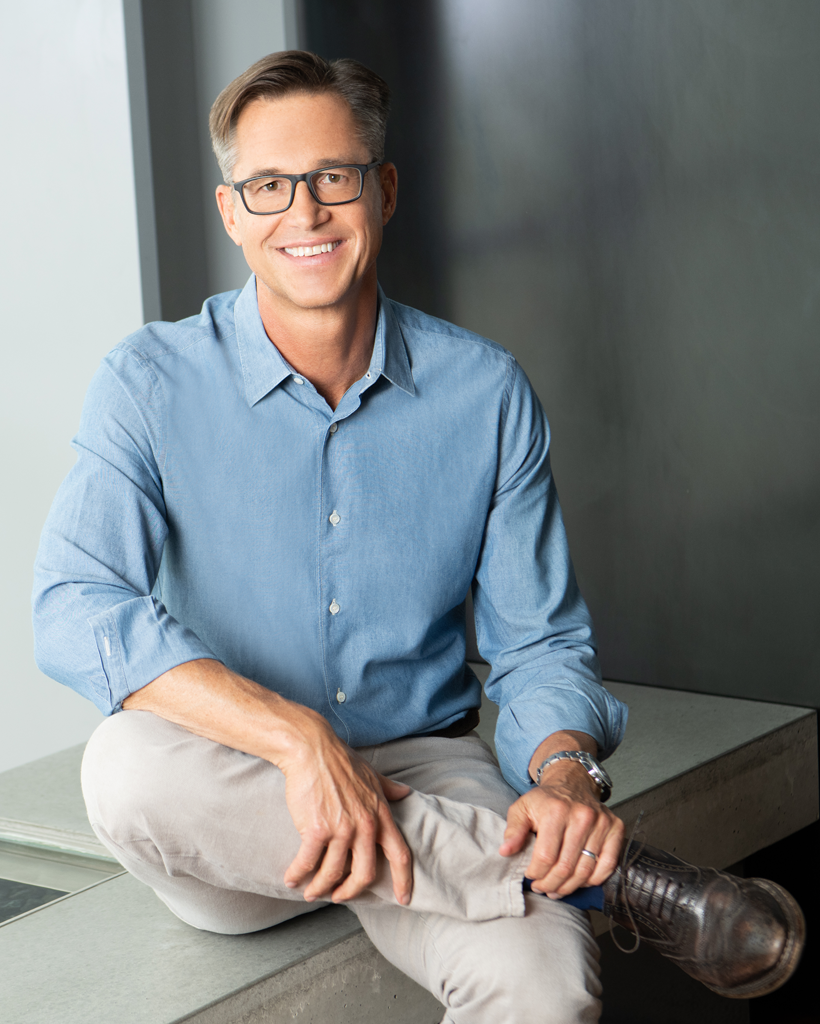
point(294, 179)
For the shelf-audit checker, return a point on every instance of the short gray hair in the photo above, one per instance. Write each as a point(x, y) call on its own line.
point(301, 71)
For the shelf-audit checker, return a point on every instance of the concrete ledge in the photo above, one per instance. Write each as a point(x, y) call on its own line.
point(115, 953)
point(722, 811)
point(717, 779)
point(350, 983)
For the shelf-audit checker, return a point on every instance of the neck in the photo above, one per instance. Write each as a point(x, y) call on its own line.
point(331, 346)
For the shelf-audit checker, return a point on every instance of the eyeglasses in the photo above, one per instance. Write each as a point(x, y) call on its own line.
point(265, 194)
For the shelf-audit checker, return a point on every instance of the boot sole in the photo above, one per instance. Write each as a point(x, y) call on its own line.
point(790, 956)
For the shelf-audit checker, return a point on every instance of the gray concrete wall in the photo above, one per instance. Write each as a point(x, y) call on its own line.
point(625, 195)
point(69, 289)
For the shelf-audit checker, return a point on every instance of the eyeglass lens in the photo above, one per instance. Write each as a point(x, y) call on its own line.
point(331, 185)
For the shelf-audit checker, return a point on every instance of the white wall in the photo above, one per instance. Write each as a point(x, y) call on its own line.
point(69, 290)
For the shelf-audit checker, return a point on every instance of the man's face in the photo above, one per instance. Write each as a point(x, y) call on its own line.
point(291, 135)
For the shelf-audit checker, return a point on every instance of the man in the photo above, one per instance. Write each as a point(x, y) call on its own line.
point(262, 555)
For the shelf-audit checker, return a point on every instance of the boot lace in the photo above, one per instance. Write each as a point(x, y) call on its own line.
point(627, 860)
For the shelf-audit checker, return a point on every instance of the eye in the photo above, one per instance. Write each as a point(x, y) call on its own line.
point(265, 186)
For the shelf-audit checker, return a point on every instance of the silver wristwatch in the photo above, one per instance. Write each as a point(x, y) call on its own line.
point(596, 770)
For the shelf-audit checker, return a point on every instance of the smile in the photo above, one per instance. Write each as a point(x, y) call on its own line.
point(312, 250)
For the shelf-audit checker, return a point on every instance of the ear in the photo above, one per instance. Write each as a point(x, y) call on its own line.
point(389, 180)
point(227, 209)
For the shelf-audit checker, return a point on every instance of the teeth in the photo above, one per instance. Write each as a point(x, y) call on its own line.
point(312, 250)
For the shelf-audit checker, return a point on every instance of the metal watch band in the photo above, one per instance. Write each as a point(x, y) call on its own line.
point(597, 772)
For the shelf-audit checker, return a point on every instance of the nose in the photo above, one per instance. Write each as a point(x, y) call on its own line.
point(304, 207)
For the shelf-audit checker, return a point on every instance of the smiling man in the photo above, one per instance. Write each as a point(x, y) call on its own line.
point(257, 569)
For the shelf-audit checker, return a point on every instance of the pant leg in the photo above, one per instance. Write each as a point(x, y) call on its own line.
point(193, 819)
point(207, 828)
point(542, 969)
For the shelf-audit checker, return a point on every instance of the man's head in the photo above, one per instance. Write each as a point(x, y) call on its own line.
point(293, 71)
point(295, 127)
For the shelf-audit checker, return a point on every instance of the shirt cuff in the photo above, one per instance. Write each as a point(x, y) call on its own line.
point(527, 720)
point(137, 641)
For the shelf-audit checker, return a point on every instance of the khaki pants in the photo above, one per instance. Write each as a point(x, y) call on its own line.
point(207, 828)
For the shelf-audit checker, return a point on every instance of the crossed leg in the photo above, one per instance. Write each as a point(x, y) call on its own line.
point(207, 828)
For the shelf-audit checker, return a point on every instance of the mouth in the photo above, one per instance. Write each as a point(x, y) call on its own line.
point(310, 250)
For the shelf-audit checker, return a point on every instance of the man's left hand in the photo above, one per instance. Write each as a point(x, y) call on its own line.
point(567, 816)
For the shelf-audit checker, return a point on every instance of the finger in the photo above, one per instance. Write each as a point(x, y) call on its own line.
point(399, 858)
point(574, 837)
point(610, 854)
point(519, 826)
point(579, 877)
point(362, 870)
point(574, 868)
point(605, 840)
point(333, 868)
point(394, 790)
point(545, 854)
point(304, 863)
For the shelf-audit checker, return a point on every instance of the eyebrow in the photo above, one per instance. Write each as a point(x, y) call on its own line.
point(329, 162)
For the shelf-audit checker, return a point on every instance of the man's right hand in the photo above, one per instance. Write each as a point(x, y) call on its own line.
point(337, 802)
point(339, 806)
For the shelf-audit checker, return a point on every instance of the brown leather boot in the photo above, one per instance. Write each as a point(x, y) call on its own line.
point(741, 937)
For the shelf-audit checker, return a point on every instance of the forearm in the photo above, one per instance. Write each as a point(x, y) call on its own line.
point(208, 699)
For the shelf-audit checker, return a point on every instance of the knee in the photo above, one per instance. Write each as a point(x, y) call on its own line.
point(121, 772)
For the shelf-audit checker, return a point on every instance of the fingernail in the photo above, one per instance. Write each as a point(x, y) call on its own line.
point(291, 885)
point(309, 899)
point(554, 895)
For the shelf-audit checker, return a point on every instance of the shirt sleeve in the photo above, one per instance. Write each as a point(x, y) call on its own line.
point(98, 627)
point(532, 624)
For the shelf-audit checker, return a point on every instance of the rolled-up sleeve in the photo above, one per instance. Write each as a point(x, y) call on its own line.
point(532, 624)
point(98, 626)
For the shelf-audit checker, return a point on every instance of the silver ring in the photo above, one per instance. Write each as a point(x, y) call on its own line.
point(589, 853)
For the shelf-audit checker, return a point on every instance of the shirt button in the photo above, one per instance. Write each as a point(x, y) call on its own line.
point(298, 380)
point(340, 696)
point(334, 608)
point(335, 518)
point(334, 427)
point(368, 375)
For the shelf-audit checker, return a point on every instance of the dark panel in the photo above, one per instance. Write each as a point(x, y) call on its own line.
point(175, 157)
point(700, 547)
point(627, 197)
point(399, 41)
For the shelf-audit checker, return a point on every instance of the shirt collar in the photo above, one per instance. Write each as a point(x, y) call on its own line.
point(263, 367)
point(391, 348)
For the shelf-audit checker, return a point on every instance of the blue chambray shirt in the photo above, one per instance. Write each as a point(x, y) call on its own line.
point(220, 509)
